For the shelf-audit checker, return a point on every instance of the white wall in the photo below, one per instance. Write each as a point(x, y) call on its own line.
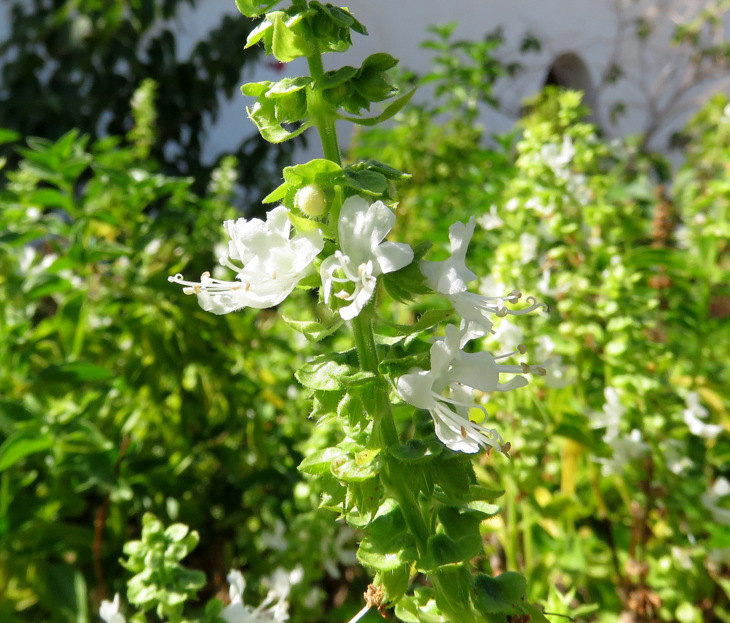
point(588, 28)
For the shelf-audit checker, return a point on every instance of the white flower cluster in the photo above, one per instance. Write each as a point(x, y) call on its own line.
point(274, 608)
point(363, 255)
point(447, 390)
point(626, 448)
point(269, 264)
point(272, 264)
point(694, 416)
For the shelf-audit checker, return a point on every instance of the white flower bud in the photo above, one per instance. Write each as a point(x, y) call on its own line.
point(311, 200)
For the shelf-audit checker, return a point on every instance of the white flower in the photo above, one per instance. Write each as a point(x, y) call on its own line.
point(449, 278)
point(610, 417)
point(625, 449)
point(274, 609)
point(528, 247)
point(508, 335)
point(558, 157)
point(543, 285)
point(363, 255)
point(557, 374)
point(109, 611)
point(335, 551)
point(711, 500)
point(675, 457)
point(275, 539)
point(693, 416)
point(490, 220)
point(447, 391)
point(271, 264)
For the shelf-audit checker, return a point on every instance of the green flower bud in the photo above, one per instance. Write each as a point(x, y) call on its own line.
point(311, 200)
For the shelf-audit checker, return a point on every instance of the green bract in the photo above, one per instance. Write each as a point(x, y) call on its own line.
point(253, 8)
point(294, 33)
point(278, 104)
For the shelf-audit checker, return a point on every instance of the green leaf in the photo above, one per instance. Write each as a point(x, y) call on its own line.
point(492, 595)
point(442, 550)
point(46, 285)
point(479, 493)
point(370, 182)
point(416, 450)
point(50, 197)
point(288, 42)
point(324, 173)
point(7, 136)
point(357, 468)
point(419, 608)
point(328, 372)
point(454, 477)
point(74, 372)
point(332, 79)
point(366, 497)
point(390, 110)
point(318, 171)
point(320, 462)
point(12, 414)
point(426, 320)
point(312, 330)
point(394, 583)
point(23, 444)
point(253, 8)
point(389, 544)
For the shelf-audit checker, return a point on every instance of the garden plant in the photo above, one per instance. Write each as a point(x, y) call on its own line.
point(523, 418)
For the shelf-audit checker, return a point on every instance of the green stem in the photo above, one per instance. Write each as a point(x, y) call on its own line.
point(385, 433)
point(321, 113)
point(510, 541)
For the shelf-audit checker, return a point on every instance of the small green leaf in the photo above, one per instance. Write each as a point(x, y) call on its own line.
point(327, 372)
point(440, 550)
point(74, 372)
point(22, 444)
point(348, 468)
point(416, 450)
point(419, 608)
point(7, 136)
point(320, 462)
point(394, 583)
point(390, 110)
point(370, 182)
point(253, 8)
point(479, 493)
point(389, 544)
point(492, 595)
point(312, 330)
point(288, 42)
point(335, 78)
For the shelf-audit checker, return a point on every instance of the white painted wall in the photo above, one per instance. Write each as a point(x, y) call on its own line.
point(589, 28)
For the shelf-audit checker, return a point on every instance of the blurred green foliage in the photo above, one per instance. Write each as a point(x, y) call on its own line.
point(76, 63)
point(119, 396)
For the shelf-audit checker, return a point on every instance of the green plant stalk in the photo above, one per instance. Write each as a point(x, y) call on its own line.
point(385, 433)
point(510, 541)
